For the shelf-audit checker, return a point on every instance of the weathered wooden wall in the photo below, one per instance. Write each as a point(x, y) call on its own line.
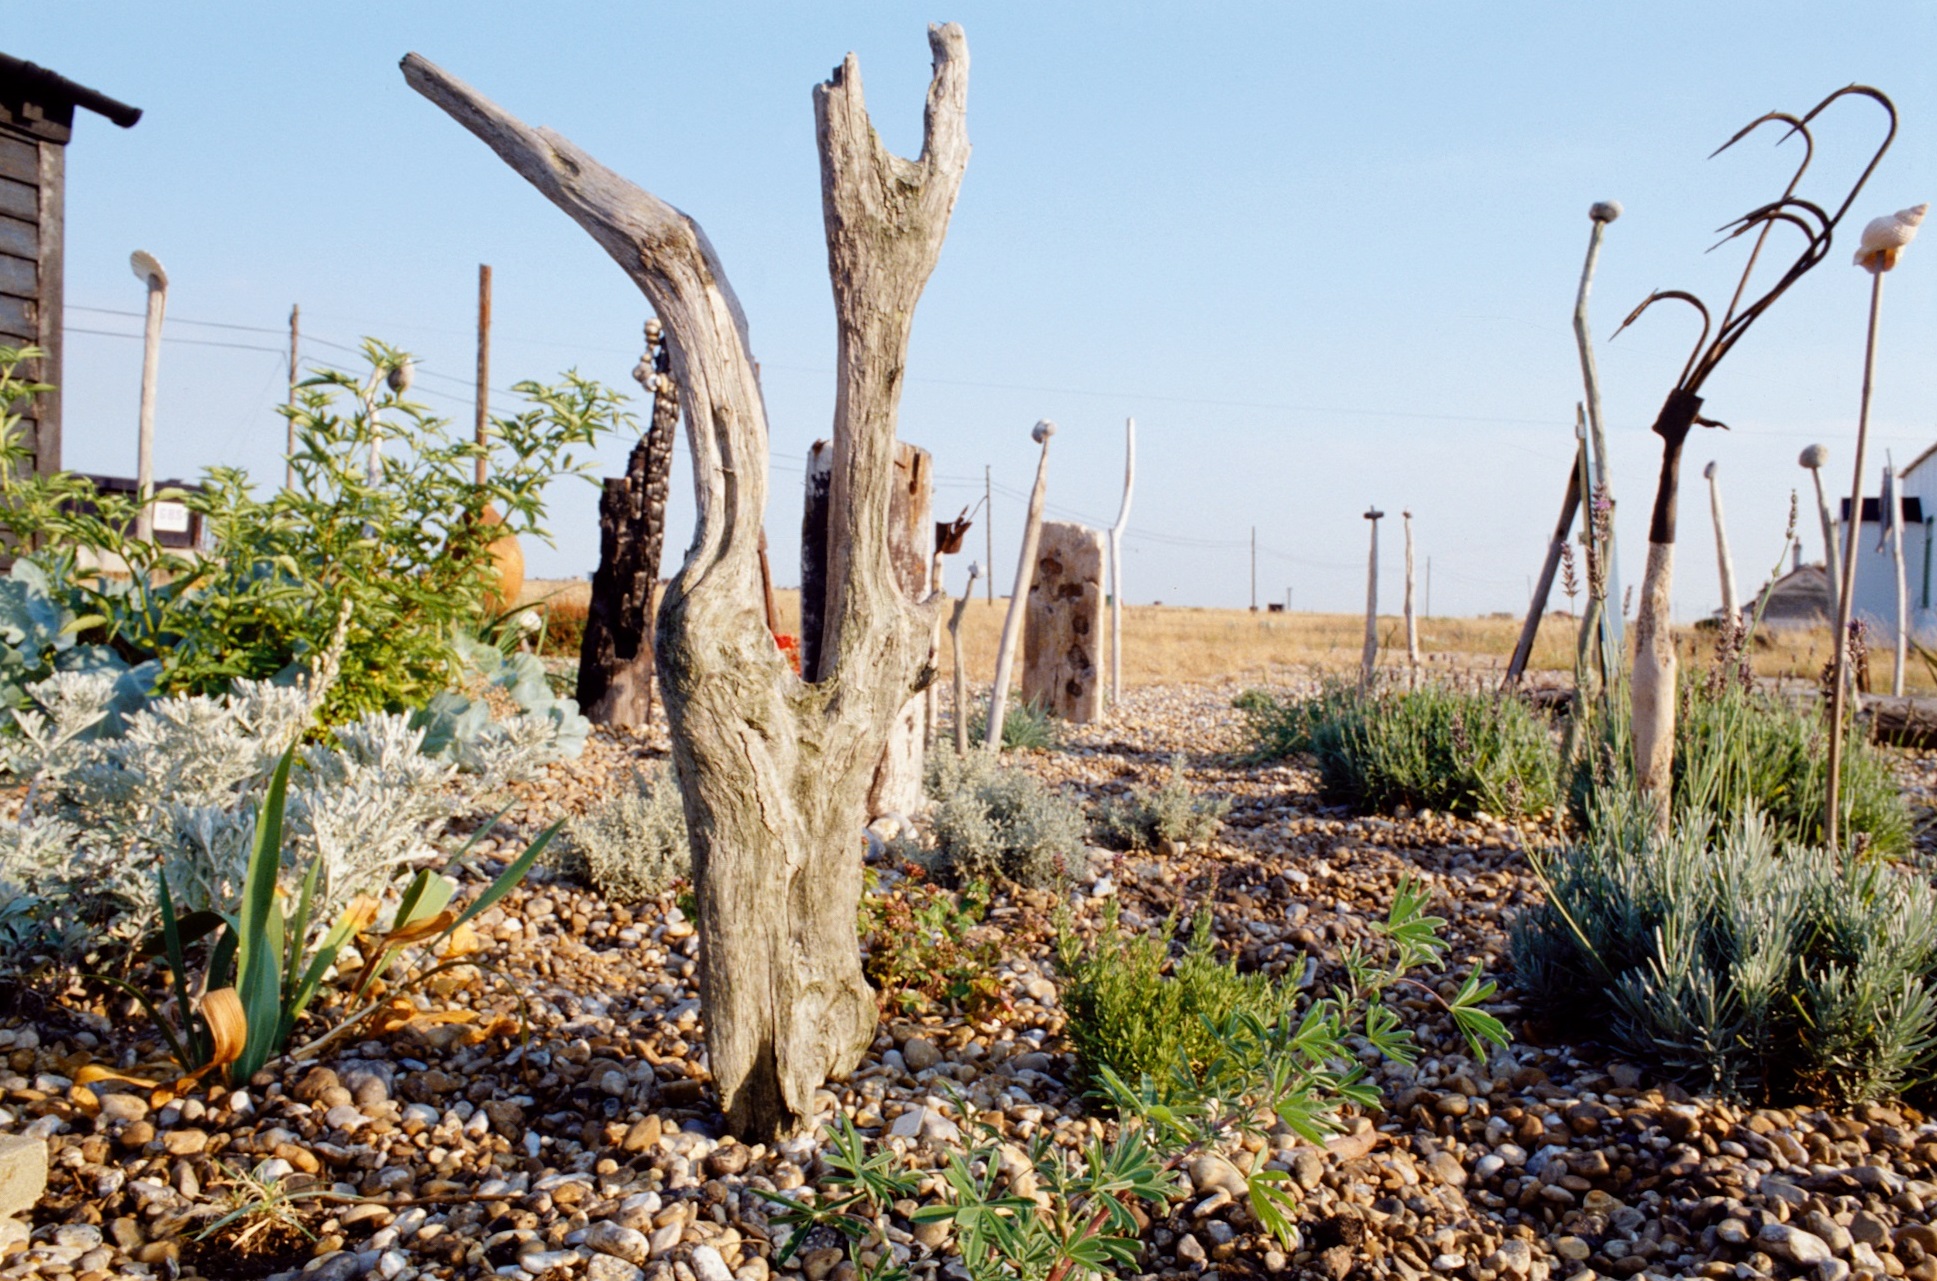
point(33, 164)
point(1062, 648)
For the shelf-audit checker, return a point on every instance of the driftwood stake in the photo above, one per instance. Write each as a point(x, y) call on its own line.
point(1814, 457)
point(1005, 653)
point(149, 272)
point(1369, 656)
point(1412, 622)
point(1537, 607)
point(774, 773)
point(955, 648)
point(1725, 563)
point(1594, 464)
point(1116, 560)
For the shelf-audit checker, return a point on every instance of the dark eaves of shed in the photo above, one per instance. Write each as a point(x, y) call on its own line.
point(43, 84)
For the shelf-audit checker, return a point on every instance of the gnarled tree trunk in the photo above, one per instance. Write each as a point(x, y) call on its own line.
point(774, 771)
point(615, 664)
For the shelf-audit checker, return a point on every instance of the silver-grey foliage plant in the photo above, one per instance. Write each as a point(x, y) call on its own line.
point(1171, 811)
point(992, 821)
point(633, 846)
point(1739, 964)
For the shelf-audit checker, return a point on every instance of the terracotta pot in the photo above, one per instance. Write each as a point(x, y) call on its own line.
point(509, 559)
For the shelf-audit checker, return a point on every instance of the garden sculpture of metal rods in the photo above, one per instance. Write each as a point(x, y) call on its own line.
point(1654, 657)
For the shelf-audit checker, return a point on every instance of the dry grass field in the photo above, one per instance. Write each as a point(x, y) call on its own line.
point(1164, 643)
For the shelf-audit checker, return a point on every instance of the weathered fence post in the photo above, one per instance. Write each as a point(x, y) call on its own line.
point(1005, 653)
point(149, 272)
point(1725, 563)
point(615, 666)
point(1062, 647)
point(1369, 656)
point(1116, 560)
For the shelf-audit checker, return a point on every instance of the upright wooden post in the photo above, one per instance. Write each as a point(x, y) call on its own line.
point(1813, 458)
point(896, 788)
point(1596, 482)
point(1725, 563)
point(1369, 656)
point(1254, 569)
point(1005, 653)
point(988, 527)
point(1412, 623)
point(480, 427)
point(1116, 560)
point(289, 459)
point(149, 272)
point(1062, 648)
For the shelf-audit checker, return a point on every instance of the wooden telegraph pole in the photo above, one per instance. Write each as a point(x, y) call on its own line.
point(484, 365)
point(289, 460)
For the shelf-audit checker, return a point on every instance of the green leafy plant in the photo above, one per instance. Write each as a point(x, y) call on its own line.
point(994, 822)
point(1026, 727)
point(1434, 747)
point(1148, 818)
point(405, 557)
point(1734, 960)
point(924, 948)
point(1055, 1212)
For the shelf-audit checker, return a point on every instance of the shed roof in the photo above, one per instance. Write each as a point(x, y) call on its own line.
point(22, 79)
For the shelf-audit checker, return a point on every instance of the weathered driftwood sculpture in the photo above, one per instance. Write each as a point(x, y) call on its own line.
point(1654, 647)
point(960, 670)
point(1369, 655)
point(1813, 457)
point(615, 667)
point(1544, 585)
point(1062, 647)
point(1412, 622)
point(148, 270)
point(774, 772)
point(1724, 563)
point(1005, 652)
point(1116, 560)
point(1883, 241)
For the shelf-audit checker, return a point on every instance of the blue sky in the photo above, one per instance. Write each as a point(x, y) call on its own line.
point(1325, 255)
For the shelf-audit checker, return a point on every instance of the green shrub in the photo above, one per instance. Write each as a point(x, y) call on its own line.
point(1135, 1011)
point(1025, 727)
point(633, 846)
point(993, 821)
point(1740, 964)
point(1434, 747)
point(405, 558)
point(1739, 748)
point(1168, 812)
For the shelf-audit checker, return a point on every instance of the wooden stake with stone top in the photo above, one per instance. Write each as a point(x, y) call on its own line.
point(1005, 653)
point(1813, 458)
point(1369, 657)
point(149, 272)
point(774, 773)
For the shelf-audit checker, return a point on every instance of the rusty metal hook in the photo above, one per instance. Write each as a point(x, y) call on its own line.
point(1679, 295)
point(1890, 136)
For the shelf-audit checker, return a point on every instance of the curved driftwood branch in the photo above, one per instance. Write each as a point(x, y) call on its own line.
point(774, 772)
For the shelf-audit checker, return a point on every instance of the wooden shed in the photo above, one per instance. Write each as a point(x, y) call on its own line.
point(36, 121)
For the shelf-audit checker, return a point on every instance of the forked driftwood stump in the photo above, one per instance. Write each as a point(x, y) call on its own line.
point(774, 772)
point(1062, 647)
point(615, 667)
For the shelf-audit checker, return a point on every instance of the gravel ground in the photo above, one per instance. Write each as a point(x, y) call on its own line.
point(593, 1149)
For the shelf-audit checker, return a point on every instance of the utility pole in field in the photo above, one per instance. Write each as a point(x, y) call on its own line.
point(988, 528)
point(289, 466)
point(1254, 569)
point(484, 363)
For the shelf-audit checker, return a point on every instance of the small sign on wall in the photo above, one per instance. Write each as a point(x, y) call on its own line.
point(171, 518)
